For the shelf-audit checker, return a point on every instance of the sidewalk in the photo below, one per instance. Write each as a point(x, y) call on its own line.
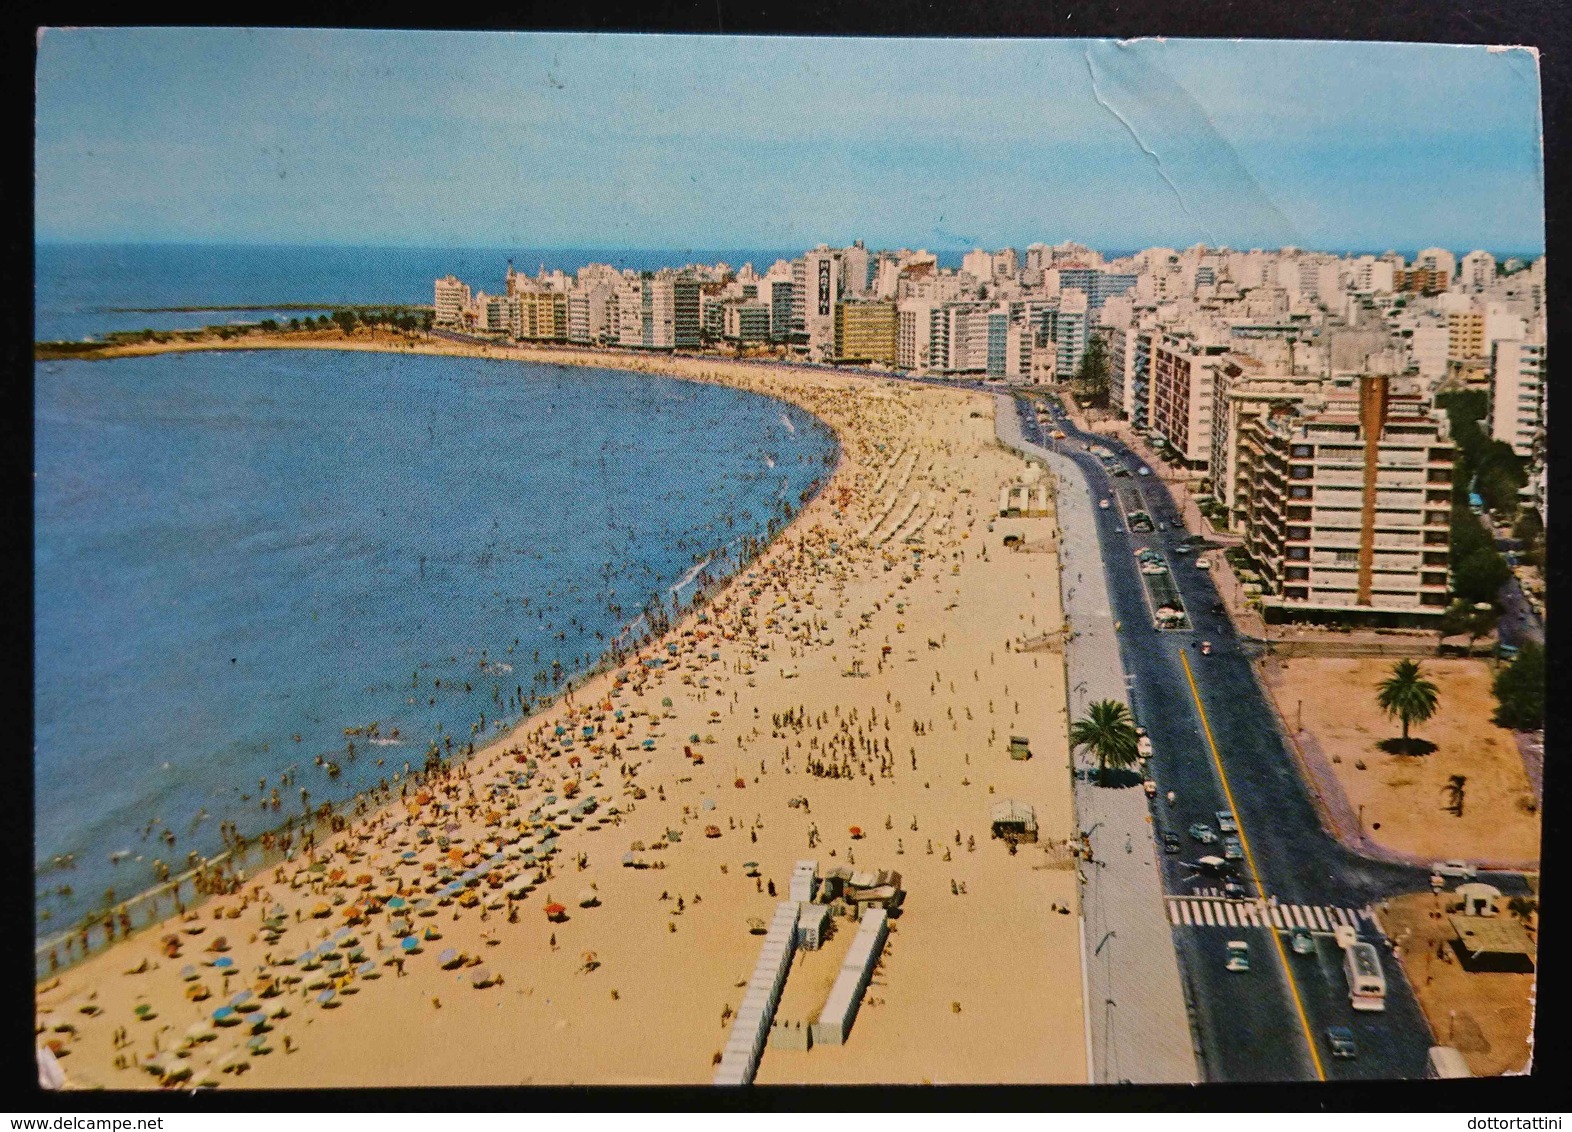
point(1140, 1031)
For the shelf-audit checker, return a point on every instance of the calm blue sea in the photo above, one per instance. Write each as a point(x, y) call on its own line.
point(238, 555)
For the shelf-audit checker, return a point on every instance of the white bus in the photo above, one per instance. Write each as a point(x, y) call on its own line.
point(1366, 983)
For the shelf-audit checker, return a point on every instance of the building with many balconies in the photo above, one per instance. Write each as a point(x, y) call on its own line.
point(1351, 510)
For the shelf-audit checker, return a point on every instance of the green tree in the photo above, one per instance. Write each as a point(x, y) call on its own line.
point(1479, 575)
point(1407, 695)
point(1091, 375)
point(1520, 690)
point(346, 321)
point(1109, 733)
point(1455, 620)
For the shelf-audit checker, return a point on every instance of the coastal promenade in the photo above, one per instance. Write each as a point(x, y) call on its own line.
point(1140, 1031)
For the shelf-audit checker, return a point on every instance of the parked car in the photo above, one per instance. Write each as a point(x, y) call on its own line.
point(1226, 823)
point(1462, 870)
point(1206, 648)
point(1203, 833)
point(1170, 843)
point(1143, 470)
point(1203, 563)
point(1103, 503)
point(1341, 1039)
point(1232, 849)
point(1219, 608)
point(1234, 890)
point(1301, 941)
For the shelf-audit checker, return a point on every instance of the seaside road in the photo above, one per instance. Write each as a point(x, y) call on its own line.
point(1140, 1031)
point(1265, 1033)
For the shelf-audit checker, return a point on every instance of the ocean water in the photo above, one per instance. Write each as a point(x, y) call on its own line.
point(239, 555)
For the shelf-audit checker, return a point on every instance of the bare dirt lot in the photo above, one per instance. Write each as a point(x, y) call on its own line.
point(1487, 1015)
point(1406, 799)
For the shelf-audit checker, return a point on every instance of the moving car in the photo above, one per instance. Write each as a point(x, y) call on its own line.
point(1232, 850)
point(1234, 890)
point(1206, 648)
point(1459, 869)
point(1170, 843)
point(1238, 955)
point(1203, 563)
point(1143, 470)
point(1301, 941)
point(1226, 823)
point(1203, 833)
point(1341, 1039)
point(1219, 608)
point(1103, 503)
point(1057, 434)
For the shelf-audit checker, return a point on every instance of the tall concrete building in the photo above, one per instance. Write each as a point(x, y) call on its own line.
point(452, 299)
point(1351, 510)
point(1517, 393)
point(816, 281)
point(1477, 271)
point(1183, 386)
point(865, 331)
point(856, 270)
point(781, 295)
point(913, 334)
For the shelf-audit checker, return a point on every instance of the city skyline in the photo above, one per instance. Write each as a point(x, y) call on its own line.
point(487, 140)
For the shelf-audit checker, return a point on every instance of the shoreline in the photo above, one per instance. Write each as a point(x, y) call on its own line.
point(766, 639)
point(253, 853)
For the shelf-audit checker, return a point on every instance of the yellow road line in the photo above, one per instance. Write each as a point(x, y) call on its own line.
point(1277, 941)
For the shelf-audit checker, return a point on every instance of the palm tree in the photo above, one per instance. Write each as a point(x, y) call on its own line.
point(1109, 733)
point(1407, 695)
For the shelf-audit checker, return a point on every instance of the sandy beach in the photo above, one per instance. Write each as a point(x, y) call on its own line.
point(865, 672)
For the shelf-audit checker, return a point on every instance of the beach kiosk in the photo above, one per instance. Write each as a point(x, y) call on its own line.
point(1014, 820)
point(1020, 749)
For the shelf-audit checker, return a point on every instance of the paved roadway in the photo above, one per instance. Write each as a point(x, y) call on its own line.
point(1249, 1026)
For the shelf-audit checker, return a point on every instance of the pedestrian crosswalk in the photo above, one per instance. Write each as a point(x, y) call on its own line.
point(1222, 912)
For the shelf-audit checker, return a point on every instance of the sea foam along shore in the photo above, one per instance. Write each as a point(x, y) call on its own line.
point(879, 684)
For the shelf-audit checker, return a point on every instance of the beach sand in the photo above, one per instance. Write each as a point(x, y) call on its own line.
point(980, 986)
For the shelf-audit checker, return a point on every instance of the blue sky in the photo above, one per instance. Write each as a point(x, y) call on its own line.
point(542, 141)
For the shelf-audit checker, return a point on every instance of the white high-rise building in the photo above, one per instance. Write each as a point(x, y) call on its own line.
point(1477, 271)
point(817, 279)
point(1517, 393)
point(452, 299)
point(1438, 259)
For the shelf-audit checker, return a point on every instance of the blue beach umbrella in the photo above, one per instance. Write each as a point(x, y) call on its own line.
point(223, 962)
point(366, 968)
point(410, 943)
point(397, 903)
point(326, 998)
